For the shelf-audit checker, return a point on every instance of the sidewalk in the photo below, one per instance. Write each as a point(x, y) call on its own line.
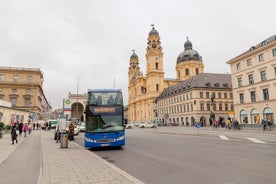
point(76, 164)
point(5, 146)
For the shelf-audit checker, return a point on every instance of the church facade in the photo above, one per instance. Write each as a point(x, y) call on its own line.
point(144, 89)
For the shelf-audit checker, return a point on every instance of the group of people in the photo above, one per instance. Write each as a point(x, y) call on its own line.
point(21, 128)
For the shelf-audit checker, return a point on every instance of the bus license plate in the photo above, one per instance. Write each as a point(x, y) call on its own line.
point(105, 145)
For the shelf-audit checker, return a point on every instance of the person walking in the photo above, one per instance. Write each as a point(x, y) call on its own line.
point(20, 126)
point(71, 131)
point(14, 134)
point(25, 129)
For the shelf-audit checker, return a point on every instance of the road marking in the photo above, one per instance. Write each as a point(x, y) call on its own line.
point(223, 137)
point(256, 140)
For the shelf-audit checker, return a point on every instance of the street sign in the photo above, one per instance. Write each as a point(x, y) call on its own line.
point(197, 125)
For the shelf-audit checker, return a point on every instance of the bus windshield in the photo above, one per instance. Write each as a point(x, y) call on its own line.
point(104, 123)
point(105, 98)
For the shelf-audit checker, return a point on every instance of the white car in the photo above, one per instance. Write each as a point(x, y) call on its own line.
point(129, 125)
point(82, 127)
point(147, 125)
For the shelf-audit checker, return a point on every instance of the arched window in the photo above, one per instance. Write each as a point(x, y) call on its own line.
point(243, 116)
point(156, 66)
point(268, 115)
point(157, 87)
point(255, 117)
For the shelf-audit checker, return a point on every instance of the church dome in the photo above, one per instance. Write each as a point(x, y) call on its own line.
point(188, 53)
point(133, 55)
point(153, 31)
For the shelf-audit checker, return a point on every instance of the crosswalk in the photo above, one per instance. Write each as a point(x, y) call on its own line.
point(254, 140)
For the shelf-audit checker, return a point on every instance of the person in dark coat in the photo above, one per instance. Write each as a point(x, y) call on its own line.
point(14, 134)
point(20, 127)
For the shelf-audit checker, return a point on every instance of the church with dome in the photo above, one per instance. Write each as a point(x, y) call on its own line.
point(143, 89)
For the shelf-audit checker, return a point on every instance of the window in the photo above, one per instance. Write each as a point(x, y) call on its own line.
point(231, 95)
point(265, 94)
point(263, 76)
point(226, 106)
point(208, 106)
point(207, 95)
point(214, 107)
point(1, 77)
point(157, 87)
point(264, 43)
point(220, 107)
point(261, 57)
point(241, 98)
point(240, 82)
point(219, 95)
point(225, 95)
point(202, 106)
point(13, 101)
point(249, 62)
point(156, 66)
point(196, 71)
point(29, 78)
point(238, 66)
point(15, 78)
point(187, 71)
point(201, 94)
point(253, 96)
point(274, 52)
point(250, 79)
point(27, 102)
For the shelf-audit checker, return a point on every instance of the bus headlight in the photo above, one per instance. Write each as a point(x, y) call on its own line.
point(121, 138)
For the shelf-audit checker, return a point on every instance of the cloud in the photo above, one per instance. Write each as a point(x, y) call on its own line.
point(93, 40)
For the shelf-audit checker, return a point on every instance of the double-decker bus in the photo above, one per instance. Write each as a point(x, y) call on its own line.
point(104, 118)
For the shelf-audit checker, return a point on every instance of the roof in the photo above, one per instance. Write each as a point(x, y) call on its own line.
point(259, 45)
point(203, 80)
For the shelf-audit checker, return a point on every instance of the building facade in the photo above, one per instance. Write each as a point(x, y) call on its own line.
point(143, 89)
point(9, 115)
point(73, 106)
point(254, 83)
point(23, 87)
point(195, 99)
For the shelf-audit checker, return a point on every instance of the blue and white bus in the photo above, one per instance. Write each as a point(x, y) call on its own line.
point(104, 118)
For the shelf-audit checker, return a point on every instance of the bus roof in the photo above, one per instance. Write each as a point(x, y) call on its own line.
point(104, 90)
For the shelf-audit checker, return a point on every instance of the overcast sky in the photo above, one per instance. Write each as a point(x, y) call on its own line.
point(92, 40)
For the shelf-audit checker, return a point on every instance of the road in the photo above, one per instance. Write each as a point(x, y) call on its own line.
point(213, 158)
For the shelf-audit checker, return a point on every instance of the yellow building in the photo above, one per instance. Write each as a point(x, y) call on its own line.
point(254, 83)
point(23, 88)
point(143, 89)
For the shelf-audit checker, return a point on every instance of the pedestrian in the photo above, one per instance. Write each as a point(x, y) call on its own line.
point(33, 126)
point(37, 125)
point(25, 129)
point(14, 134)
point(71, 131)
point(20, 126)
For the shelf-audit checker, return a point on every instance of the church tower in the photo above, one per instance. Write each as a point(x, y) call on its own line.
point(154, 65)
point(189, 62)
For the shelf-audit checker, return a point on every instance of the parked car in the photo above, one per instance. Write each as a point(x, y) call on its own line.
point(147, 125)
point(129, 125)
point(82, 127)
